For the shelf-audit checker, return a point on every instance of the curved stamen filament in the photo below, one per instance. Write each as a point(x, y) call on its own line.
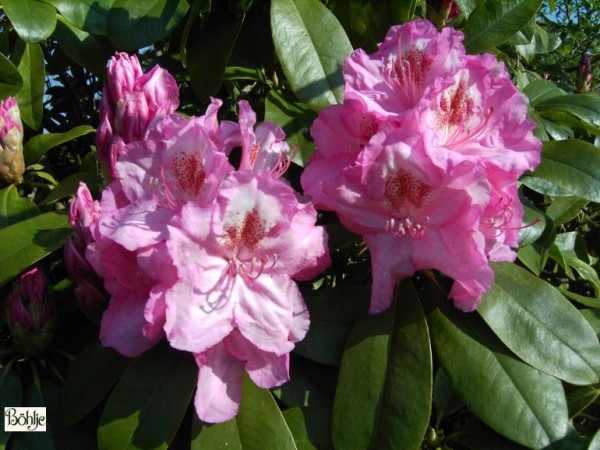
point(161, 192)
point(456, 139)
point(401, 227)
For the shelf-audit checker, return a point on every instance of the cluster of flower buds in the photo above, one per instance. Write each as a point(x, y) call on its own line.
point(30, 313)
point(12, 164)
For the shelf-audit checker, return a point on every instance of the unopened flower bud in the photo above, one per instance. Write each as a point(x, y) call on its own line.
point(30, 313)
point(131, 102)
point(12, 164)
point(84, 214)
point(583, 81)
point(440, 12)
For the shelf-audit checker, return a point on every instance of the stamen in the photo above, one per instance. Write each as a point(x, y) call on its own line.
point(402, 227)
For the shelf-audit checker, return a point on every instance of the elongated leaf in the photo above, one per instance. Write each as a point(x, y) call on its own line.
point(445, 397)
point(209, 54)
point(332, 313)
point(516, 400)
point(311, 427)
point(85, 49)
point(494, 21)
point(33, 20)
point(132, 24)
point(539, 90)
point(259, 420)
point(32, 69)
point(296, 120)
point(540, 326)
point(584, 106)
point(218, 436)
point(14, 208)
point(573, 166)
point(69, 185)
point(90, 378)
point(593, 318)
point(38, 145)
point(311, 46)
point(147, 405)
point(26, 242)
point(11, 81)
point(87, 15)
point(383, 398)
point(582, 397)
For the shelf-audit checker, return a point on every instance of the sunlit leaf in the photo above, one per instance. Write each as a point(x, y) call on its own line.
point(33, 20)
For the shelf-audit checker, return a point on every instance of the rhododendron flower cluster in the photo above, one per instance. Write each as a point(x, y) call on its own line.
point(197, 251)
point(422, 159)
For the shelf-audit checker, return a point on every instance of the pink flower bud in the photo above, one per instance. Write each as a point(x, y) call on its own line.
point(30, 313)
point(583, 82)
point(131, 102)
point(440, 12)
point(12, 164)
point(91, 300)
point(84, 213)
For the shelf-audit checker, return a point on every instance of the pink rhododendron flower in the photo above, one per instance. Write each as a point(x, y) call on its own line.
point(131, 102)
point(422, 159)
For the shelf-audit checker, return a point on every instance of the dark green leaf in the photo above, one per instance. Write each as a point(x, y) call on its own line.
point(11, 81)
point(14, 208)
point(85, 49)
point(260, 422)
point(544, 186)
point(30, 97)
point(296, 120)
point(580, 398)
point(11, 395)
point(218, 436)
point(494, 21)
point(34, 441)
point(403, 11)
point(332, 312)
point(90, 377)
point(311, 46)
point(445, 397)
point(573, 166)
point(87, 15)
point(516, 400)
point(540, 326)
point(584, 106)
point(26, 242)
point(209, 53)
point(310, 384)
point(69, 185)
point(540, 90)
point(147, 405)
point(311, 427)
point(132, 24)
point(383, 397)
point(33, 20)
point(38, 145)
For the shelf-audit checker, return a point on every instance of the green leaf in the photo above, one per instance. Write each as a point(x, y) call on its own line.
point(540, 326)
point(30, 97)
point(296, 120)
point(593, 318)
point(218, 436)
point(539, 90)
point(148, 404)
point(14, 208)
point(383, 397)
point(513, 398)
point(445, 397)
point(544, 187)
point(132, 24)
point(494, 21)
point(40, 440)
point(580, 398)
point(33, 20)
point(310, 384)
point(573, 166)
point(311, 427)
point(403, 11)
point(584, 106)
point(259, 420)
point(85, 49)
point(209, 53)
point(38, 145)
point(11, 81)
point(311, 46)
point(595, 442)
point(10, 395)
point(69, 185)
point(87, 15)
point(91, 376)
point(332, 313)
point(24, 243)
